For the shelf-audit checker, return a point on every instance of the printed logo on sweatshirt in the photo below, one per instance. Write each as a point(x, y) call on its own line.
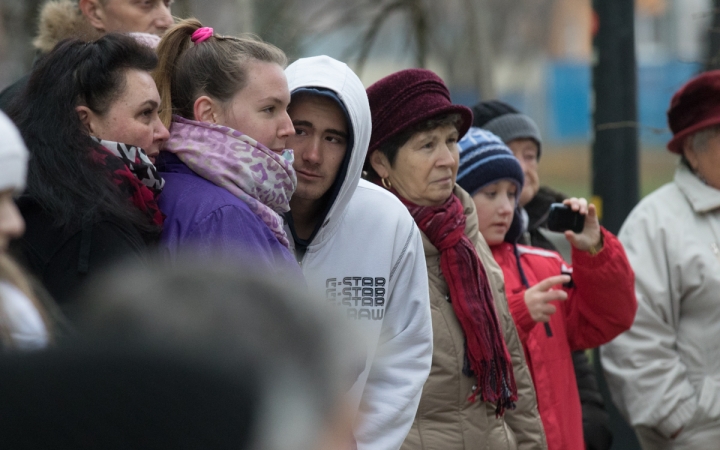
point(363, 297)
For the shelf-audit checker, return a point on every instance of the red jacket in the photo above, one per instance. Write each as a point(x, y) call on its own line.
point(600, 306)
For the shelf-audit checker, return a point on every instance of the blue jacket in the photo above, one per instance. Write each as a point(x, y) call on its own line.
point(212, 222)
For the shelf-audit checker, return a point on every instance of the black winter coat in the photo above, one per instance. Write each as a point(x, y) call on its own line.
point(63, 259)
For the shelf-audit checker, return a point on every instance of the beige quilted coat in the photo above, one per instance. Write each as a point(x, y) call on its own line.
point(445, 419)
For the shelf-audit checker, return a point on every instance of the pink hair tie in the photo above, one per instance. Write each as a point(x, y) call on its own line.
point(201, 35)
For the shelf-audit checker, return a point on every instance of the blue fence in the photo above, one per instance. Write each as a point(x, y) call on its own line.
point(568, 99)
point(565, 102)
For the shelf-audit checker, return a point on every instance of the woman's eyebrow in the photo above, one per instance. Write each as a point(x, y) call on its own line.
point(272, 99)
point(152, 103)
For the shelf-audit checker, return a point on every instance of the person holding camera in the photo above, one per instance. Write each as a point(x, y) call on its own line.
point(522, 136)
point(580, 308)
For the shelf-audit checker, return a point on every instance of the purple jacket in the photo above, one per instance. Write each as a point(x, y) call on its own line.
point(213, 222)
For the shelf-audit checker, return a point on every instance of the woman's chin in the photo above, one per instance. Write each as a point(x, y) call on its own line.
point(442, 192)
point(439, 199)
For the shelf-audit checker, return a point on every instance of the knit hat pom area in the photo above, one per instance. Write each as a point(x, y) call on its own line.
point(485, 159)
point(694, 106)
point(406, 98)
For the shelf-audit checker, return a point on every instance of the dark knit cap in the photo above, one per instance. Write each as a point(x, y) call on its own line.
point(406, 98)
point(485, 159)
point(506, 122)
point(694, 106)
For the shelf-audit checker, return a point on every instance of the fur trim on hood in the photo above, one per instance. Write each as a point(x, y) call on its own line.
point(61, 19)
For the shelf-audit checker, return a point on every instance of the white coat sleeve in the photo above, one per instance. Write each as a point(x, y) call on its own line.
point(646, 376)
point(404, 354)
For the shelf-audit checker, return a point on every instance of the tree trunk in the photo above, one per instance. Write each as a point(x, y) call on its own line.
point(481, 53)
point(19, 24)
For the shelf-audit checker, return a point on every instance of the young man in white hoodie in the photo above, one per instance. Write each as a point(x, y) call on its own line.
point(359, 248)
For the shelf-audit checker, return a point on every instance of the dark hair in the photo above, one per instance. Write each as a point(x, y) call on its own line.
point(216, 67)
point(63, 176)
point(390, 147)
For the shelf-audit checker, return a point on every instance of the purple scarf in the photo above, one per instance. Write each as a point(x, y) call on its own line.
point(234, 161)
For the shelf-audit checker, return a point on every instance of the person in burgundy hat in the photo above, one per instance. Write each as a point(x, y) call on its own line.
point(664, 373)
point(479, 393)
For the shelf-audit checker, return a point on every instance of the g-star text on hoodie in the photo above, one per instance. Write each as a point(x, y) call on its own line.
point(363, 297)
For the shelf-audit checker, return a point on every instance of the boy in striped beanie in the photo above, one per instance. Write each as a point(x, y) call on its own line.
point(484, 160)
point(596, 307)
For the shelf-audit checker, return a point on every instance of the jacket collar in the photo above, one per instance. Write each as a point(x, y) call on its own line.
point(702, 197)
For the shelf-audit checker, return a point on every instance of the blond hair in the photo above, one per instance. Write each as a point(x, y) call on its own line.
point(11, 273)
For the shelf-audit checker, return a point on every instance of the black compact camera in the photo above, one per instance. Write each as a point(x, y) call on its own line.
point(562, 218)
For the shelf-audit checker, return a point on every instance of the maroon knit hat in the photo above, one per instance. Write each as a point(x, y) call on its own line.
point(406, 98)
point(693, 107)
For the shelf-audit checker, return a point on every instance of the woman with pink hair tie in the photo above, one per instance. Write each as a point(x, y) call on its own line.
point(229, 177)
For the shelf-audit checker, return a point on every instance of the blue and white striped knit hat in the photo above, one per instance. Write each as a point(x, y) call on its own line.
point(485, 159)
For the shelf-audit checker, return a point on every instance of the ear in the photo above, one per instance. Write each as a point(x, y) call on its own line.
point(206, 110)
point(380, 163)
point(689, 153)
point(87, 118)
point(93, 12)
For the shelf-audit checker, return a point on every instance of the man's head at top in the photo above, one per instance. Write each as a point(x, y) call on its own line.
point(520, 133)
point(143, 16)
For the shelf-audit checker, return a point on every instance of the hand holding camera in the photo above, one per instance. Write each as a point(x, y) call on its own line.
point(578, 220)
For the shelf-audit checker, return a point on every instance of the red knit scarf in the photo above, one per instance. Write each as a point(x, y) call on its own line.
point(472, 301)
point(143, 197)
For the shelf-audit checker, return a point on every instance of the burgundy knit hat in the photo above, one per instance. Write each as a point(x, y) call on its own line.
point(406, 98)
point(693, 107)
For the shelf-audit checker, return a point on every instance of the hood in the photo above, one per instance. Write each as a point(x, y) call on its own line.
point(328, 73)
point(61, 19)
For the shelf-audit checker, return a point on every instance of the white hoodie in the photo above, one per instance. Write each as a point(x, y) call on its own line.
point(368, 259)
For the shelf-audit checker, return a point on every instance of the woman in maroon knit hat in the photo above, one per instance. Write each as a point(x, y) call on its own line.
point(479, 393)
point(664, 373)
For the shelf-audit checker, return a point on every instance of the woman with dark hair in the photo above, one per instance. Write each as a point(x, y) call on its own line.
point(229, 176)
point(89, 117)
point(479, 393)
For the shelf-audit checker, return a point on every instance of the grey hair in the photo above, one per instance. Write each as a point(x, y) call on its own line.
point(701, 138)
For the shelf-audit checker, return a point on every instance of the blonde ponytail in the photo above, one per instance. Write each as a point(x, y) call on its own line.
point(171, 47)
